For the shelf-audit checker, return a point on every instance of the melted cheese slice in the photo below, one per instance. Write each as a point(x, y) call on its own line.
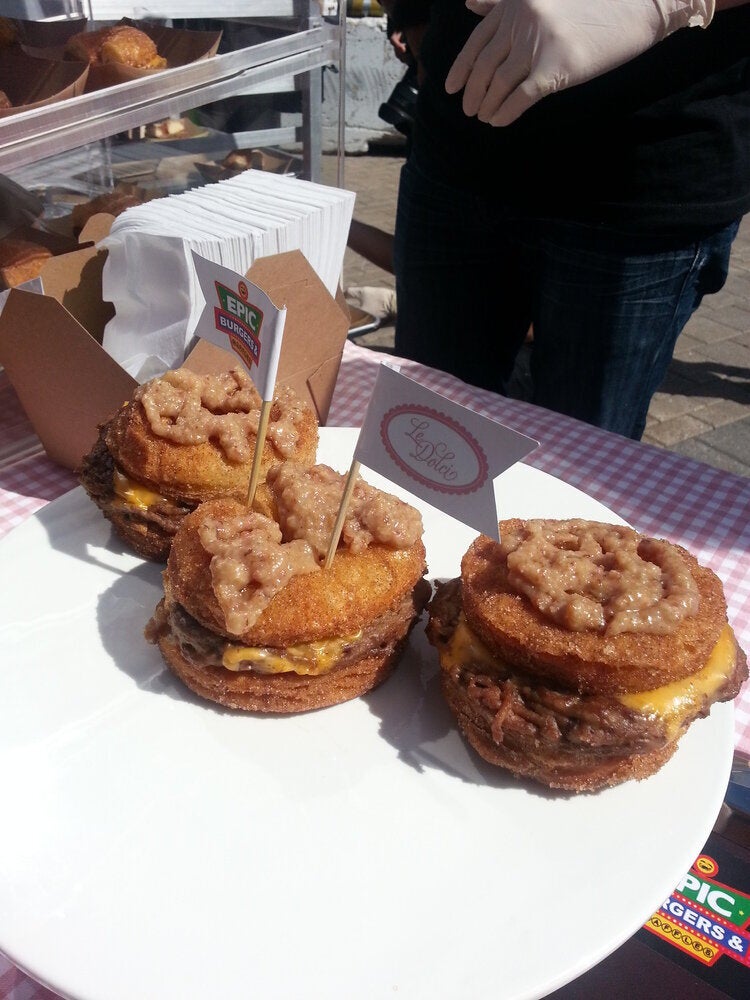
point(466, 647)
point(673, 703)
point(311, 658)
point(133, 492)
point(678, 701)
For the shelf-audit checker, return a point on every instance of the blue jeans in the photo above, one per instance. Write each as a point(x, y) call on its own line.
point(606, 306)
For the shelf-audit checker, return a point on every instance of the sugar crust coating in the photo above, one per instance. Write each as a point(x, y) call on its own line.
point(337, 601)
point(193, 472)
point(588, 662)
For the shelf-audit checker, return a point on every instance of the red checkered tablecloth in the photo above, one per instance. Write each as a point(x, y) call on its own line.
point(658, 492)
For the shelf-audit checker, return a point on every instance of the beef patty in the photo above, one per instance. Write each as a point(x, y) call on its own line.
point(358, 663)
point(154, 525)
point(557, 736)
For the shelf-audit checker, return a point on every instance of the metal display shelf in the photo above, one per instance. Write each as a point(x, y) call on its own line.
point(307, 42)
point(29, 136)
point(113, 10)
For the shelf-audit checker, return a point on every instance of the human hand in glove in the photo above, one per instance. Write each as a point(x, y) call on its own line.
point(525, 49)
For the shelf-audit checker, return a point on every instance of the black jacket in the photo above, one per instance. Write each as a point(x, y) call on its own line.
point(660, 144)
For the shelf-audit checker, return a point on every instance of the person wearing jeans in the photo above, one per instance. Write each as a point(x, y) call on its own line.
point(590, 190)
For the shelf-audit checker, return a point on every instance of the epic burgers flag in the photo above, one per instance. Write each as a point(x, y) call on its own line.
point(240, 316)
point(443, 453)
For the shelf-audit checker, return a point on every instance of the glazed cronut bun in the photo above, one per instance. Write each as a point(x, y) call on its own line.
point(253, 620)
point(120, 45)
point(577, 653)
point(185, 438)
point(21, 260)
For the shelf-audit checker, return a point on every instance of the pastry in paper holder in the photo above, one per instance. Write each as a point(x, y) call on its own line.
point(177, 46)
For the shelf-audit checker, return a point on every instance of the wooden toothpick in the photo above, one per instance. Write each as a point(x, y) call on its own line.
point(339, 525)
point(260, 440)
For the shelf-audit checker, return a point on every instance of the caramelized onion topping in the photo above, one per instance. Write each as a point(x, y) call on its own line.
point(308, 501)
point(191, 409)
point(584, 575)
point(250, 564)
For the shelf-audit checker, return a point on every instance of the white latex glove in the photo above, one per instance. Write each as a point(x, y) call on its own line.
point(526, 49)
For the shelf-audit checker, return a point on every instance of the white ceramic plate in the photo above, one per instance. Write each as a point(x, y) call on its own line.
point(155, 846)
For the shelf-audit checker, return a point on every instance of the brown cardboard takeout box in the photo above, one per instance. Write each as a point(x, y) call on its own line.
point(31, 81)
point(50, 345)
point(45, 34)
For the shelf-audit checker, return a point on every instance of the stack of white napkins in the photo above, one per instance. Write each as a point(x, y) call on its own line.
point(149, 274)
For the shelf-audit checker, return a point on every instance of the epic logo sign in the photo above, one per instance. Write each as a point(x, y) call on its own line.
point(705, 919)
point(234, 319)
point(240, 321)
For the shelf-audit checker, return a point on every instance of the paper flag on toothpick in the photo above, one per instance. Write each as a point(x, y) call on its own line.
point(240, 316)
point(443, 453)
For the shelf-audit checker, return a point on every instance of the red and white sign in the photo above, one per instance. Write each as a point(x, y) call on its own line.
point(240, 316)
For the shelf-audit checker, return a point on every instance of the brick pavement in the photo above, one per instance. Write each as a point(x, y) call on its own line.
point(703, 407)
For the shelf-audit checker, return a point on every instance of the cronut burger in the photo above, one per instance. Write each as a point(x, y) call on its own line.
point(577, 654)
point(253, 620)
point(182, 439)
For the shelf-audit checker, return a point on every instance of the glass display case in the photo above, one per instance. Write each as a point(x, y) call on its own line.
point(168, 130)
